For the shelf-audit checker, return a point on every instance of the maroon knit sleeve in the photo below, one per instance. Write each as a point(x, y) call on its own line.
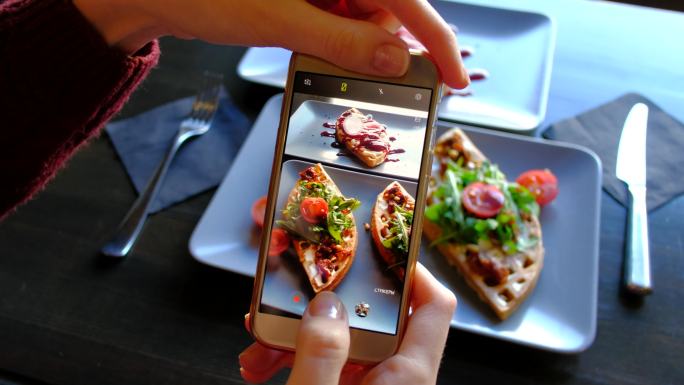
point(59, 83)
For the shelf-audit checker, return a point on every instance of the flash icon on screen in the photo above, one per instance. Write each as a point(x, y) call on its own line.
point(343, 87)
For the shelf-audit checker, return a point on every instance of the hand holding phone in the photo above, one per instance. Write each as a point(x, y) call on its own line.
point(346, 200)
point(428, 325)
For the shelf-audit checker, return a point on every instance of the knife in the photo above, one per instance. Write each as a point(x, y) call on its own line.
point(631, 169)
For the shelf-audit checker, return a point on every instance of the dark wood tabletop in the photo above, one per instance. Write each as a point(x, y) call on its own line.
point(70, 316)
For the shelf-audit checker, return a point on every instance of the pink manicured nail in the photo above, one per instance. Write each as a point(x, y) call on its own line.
point(391, 60)
point(465, 75)
point(326, 304)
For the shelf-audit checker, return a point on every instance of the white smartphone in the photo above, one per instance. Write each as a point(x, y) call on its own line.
point(346, 201)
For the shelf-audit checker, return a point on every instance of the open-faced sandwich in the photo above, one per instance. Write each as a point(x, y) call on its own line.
point(320, 220)
point(483, 224)
point(363, 136)
point(391, 220)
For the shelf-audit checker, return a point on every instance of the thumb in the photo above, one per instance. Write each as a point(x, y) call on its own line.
point(356, 45)
point(322, 342)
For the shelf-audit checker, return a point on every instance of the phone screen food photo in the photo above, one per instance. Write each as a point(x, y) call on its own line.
point(345, 197)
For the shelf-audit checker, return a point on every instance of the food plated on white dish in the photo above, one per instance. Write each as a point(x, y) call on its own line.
point(558, 315)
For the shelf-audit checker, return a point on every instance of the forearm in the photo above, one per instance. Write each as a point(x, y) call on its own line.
point(60, 81)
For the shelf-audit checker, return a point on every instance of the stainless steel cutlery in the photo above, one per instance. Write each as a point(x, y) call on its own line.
point(197, 123)
point(631, 169)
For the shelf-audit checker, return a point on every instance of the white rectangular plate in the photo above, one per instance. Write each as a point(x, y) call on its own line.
point(515, 47)
point(560, 315)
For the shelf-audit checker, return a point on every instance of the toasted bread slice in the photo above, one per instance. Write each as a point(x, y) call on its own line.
point(384, 217)
point(325, 262)
point(501, 280)
point(363, 136)
point(456, 146)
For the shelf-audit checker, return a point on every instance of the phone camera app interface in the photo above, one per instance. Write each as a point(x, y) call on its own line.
point(345, 200)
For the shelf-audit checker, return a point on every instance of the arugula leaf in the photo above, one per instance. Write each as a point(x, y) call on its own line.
point(292, 227)
point(399, 231)
point(433, 212)
point(524, 199)
point(338, 220)
point(458, 225)
point(313, 189)
point(338, 209)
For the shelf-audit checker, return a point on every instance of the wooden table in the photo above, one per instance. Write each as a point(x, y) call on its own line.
point(69, 316)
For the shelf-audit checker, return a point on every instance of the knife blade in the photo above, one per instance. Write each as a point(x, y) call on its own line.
point(631, 169)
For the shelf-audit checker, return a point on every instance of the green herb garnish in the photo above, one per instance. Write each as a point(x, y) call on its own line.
point(399, 231)
point(338, 209)
point(458, 225)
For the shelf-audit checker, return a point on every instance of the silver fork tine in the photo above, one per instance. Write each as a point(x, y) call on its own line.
point(210, 95)
point(203, 108)
point(197, 123)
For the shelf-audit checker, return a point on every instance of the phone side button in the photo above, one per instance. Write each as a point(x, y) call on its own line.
point(433, 138)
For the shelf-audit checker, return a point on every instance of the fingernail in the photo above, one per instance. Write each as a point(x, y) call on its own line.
point(464, 75)
point(391, 60)
point(326, 304)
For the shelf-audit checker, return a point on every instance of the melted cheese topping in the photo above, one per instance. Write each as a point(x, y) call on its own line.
point(310, 262)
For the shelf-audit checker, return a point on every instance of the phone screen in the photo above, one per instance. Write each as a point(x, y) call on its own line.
point(366, 136)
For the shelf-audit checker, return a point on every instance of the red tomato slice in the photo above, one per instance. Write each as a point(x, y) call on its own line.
point(280, 241)
point(314, 210)
point(541, 183)
point(259, 211)
point(482, 200)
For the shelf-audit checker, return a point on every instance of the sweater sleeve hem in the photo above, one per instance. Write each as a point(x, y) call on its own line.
point(59, 83)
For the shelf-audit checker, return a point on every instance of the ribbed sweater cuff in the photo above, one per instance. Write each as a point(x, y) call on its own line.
point(59, 83)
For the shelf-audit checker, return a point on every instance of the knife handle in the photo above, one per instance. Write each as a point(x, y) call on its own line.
point(637, 273)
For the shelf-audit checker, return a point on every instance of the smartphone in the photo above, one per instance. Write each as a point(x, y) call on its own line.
point(346, 201)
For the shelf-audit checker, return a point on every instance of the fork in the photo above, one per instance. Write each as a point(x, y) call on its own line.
point(196, 123)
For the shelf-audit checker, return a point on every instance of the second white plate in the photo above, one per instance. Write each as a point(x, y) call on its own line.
point(515, 47)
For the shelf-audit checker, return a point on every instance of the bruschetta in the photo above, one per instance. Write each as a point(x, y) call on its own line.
point(391, 220)
point(484, 225)
point(364, 137)
point(322, 227)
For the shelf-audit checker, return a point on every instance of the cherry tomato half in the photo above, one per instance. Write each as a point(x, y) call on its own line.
point(482, 200)
point(314, 210)
point(541, 183)
point(259, 211)
point(280, 241)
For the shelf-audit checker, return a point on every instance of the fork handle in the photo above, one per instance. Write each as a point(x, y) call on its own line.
point(637, 270)
point(130, 227)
